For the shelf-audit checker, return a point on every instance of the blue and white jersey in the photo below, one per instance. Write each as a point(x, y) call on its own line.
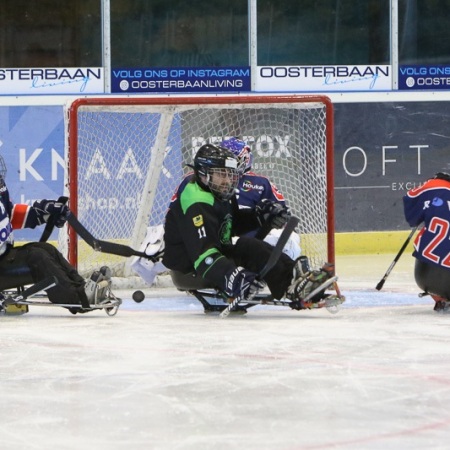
point(13, 217)
point(6, 230)
point(430, 204)
point(253, 188)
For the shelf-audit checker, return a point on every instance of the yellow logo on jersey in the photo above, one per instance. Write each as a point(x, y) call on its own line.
point(198, 220)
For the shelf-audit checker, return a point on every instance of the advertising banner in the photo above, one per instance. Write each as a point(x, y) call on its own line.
point(56, 80)
point(180, 79)
point(381, 151)
point(32, 145)
point(424, 77)
point(323, 78)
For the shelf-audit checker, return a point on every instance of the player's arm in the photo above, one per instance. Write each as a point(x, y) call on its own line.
point(271, 210)
point(20, 216)
point(417, 201)
point(202, 237)
point(25, 216)
point(413, 210)
point(244, 219)
point(272, 193)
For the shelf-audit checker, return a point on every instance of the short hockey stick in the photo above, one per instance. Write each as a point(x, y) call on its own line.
point(273, 258)
point(34, 289)
point(394, 262)
point(104, 246)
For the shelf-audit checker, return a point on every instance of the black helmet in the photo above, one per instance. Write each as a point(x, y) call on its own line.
point(442, 176)
point(216, 170)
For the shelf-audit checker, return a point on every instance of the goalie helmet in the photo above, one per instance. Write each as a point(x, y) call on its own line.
point(216, 170)
point(242, 152)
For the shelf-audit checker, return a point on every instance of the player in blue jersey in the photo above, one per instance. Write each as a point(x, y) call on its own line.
point(252, 188)
point(40, 260)
point(258, 192)
point(430, 204)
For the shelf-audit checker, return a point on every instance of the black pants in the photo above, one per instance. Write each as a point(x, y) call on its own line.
point(432, 279)
point(253, 254)
point(41, 260)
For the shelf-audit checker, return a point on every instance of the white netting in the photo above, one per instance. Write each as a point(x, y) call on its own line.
point(131, 157)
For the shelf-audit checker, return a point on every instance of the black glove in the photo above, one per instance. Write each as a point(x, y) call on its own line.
point(47, 208)
point(442, 176)
point(274, 213)
point(242, 283)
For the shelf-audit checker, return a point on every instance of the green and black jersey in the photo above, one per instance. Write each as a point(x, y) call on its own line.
point(198, 228)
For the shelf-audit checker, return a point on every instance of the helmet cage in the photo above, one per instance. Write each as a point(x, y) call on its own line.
point(222, 181)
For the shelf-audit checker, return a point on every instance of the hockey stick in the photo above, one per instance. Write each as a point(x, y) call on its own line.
point(273, 258)
point(48, 230)
point(104, 246)
point(34, 289)
point(394, 262)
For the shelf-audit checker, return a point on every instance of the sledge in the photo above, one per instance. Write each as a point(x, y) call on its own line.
point(147, 264)
point(17, 303)
point(214, 300)
point(16, 297)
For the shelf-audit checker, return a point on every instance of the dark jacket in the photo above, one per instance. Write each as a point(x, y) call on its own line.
point(198, 228)
point(430, 204)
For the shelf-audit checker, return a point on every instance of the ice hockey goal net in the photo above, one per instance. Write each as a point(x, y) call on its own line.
point(126, 156)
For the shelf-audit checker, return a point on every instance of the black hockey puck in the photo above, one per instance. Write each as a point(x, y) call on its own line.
point(138, 296)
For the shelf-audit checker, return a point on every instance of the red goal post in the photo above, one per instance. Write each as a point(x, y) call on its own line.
point(127, 155)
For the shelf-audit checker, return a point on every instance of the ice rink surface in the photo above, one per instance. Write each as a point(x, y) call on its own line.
point(163, 375)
